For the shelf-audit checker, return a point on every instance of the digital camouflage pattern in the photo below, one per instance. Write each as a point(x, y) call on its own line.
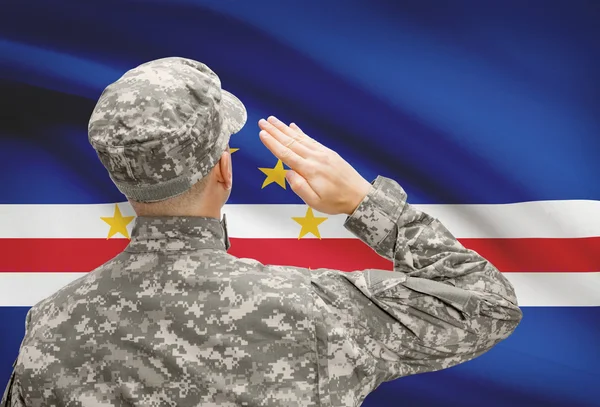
point(176, 321)
point(163, 126)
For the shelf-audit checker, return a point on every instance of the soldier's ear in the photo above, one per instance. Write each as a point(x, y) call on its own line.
point(224, 170)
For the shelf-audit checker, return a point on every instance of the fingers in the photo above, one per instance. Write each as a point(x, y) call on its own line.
point(286, 135)
point(291, 141)
point(301, 187)
point(310, 142)
point(285, 154)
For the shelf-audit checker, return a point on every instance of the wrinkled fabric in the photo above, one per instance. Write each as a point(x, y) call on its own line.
point(175, 320)
point(163, 126)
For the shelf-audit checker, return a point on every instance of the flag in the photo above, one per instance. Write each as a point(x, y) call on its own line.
point(486, 114)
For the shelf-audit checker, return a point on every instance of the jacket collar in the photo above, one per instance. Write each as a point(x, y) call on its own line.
point(178, 233)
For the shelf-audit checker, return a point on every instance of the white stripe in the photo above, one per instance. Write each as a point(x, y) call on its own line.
point(532, 289)
point(551, 219)
point(556, 289)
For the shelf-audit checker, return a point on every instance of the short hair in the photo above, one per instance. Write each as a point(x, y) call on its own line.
point(172, 206)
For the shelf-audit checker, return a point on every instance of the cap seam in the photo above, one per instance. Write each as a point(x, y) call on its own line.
point(140, 193)
point(180, 133)
point(180, 176)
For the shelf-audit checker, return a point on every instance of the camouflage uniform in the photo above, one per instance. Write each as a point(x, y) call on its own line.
point(175, 320)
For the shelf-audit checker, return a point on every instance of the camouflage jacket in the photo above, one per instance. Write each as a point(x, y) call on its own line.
point(174, 320)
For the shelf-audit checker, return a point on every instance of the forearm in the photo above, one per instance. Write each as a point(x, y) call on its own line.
point(422, 248)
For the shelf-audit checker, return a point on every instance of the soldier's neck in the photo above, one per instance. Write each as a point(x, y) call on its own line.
point(207, 211)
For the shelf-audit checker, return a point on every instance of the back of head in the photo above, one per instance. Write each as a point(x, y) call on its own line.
point(162, 127)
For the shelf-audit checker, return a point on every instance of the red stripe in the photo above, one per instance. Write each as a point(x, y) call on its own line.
point(509, 255)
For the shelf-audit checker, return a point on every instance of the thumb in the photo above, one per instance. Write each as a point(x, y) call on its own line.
point(301, 187)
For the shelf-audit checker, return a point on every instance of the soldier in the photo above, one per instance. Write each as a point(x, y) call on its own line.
point(175, 320)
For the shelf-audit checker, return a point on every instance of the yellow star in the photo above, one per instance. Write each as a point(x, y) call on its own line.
point(233, 150)
point(310, 223)
point(118, 223)
point(276, 174)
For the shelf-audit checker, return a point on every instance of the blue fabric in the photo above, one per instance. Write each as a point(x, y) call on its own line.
point(461, 102)
point(478, 102)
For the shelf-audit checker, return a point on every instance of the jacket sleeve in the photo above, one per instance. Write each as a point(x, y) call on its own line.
point(442, 305)
point(12, 396)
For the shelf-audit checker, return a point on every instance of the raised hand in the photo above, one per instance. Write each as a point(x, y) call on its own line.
point(318, 175)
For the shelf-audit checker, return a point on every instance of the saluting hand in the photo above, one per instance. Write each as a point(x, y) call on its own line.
point(318, 175)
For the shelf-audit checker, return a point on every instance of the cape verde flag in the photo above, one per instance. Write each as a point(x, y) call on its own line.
point(488, 114)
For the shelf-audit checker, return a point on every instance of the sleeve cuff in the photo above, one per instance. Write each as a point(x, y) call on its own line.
point(378, 213)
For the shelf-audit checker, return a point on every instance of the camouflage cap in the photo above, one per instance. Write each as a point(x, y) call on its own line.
point(163, 126)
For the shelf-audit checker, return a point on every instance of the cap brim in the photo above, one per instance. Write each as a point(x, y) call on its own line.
point(234, 112)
